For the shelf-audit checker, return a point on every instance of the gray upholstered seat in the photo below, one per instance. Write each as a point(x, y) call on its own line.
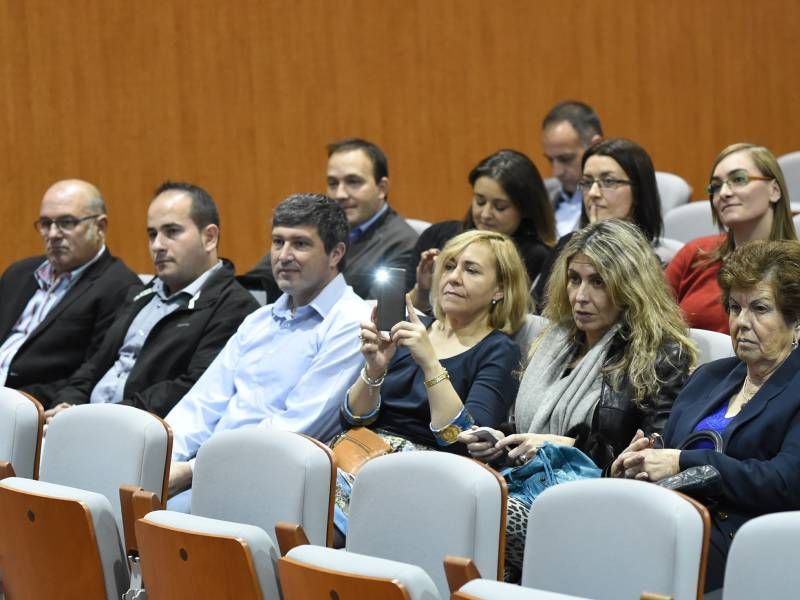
point(21, 421)
point(613, 538)
point(414, 508)
point(99, 447)
point(484, 589)
point(686, 222)
point(673, 190)
point(790, 165)
point(712, 345)
point(762, 562)
point(247, 480)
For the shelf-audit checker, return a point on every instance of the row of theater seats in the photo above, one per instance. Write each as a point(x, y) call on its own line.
point(424, 525)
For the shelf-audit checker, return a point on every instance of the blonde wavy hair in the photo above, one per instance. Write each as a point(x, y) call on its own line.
point(508, 314)
point(635, 283)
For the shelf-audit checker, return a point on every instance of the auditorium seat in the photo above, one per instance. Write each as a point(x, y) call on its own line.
point(21, 425)
point(418, 225)
point(712, 345)
point(69, 522)
point(689, 221)
point(673, 191)
point(585, 538)
point(407, 512)
point(245, 481)
point(790, 165)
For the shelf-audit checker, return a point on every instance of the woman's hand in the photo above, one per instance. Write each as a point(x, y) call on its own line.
point(427, 261)
point(413, 335)
point(377, 349)
point(481, 449)
point(658, 464)
point(523, 446)
point(628, 463)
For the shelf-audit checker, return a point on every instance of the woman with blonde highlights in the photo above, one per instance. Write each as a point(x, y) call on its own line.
point(428, 380)
point(749, 199)
point(610, 363)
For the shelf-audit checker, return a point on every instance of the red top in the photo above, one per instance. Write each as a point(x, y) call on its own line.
point(696, 288)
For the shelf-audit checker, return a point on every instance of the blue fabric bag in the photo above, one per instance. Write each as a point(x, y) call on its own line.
point(552, 464)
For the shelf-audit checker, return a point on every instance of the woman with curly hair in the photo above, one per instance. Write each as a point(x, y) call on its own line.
point(611, 362)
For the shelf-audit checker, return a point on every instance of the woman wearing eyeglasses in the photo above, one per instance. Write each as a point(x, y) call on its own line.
point(749, 199)
point(618, 182)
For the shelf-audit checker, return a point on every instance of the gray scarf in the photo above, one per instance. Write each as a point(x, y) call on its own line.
point(549, 403)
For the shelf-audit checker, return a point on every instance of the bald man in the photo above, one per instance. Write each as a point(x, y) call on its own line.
point(54, 309)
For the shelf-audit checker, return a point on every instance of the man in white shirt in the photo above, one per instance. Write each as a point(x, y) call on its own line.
point(567, 131)
point(290, 363)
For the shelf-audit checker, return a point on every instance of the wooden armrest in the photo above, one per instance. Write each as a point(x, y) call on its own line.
point(135, 503)
point(459, 570)
point(6, 470)
point(652, 596)
point(289, 535)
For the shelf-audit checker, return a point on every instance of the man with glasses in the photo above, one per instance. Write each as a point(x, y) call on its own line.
point(54, 309)
point(567, 131)
point(163, 339)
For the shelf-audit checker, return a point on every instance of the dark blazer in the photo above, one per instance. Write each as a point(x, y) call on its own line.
point(72, 330)
point(176, 352)
point(760, 466)
point(388, 243)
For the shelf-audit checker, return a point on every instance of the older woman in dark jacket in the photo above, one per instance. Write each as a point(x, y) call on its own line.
point(612, 362)
point(752, 400)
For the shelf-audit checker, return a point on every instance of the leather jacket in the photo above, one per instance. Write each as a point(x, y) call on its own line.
point(616, 417)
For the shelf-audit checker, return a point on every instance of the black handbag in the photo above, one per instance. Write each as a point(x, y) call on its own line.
point(702, 481)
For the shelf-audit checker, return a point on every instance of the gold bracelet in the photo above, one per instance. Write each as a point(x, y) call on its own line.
point(429, 383)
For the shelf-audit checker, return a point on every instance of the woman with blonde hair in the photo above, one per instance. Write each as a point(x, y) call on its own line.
point(750, 200)
point(430, 379)
point(611, 362)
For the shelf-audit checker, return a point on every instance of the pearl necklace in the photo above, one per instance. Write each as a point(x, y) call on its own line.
point(749, 389)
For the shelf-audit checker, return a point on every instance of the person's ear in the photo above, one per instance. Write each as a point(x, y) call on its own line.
point(210, 237)
point(336, 254)
point(102, 223)
point(383, 187)
point(595, 138)
point(774, 192)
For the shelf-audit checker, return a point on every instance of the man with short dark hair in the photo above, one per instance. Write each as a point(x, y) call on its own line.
point(567, 131)
point(290, 363)
point(165, 337)
point(55, 309)
point(358, 179)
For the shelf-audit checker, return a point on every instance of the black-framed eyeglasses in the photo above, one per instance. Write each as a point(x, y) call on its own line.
point(736, 181)
point(63, 224)
point(605, 183)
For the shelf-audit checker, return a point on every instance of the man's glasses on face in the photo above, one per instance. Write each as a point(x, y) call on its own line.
point(63, 224)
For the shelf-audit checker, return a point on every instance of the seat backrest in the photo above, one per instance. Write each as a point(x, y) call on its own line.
point(418, 507)
point(99, 447)
point(585, 538)
point(712, 345)
point(531, 328)
point(790, 165)
point(59, 542)
point(21, 424)
point(689, 221)
point(673, 191)
point(666, 249)
point(418, 225)
point(259, 478)
point(762, 562)
point(796, 221)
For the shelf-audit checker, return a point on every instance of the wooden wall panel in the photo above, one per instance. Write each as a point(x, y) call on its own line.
point(242, 96)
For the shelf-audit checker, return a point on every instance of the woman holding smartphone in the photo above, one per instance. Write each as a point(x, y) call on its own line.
point(427, 380)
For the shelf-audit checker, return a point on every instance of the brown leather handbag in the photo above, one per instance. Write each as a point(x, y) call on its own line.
point(356, 446)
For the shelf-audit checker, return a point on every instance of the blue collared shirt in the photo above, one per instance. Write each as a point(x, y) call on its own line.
point(111, 386)
point(568, 211)
point(50, 291)
point(280, 369)
point(357, 231)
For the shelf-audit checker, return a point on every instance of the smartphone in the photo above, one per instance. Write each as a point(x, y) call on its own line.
point(485, 434)
point(390, 284)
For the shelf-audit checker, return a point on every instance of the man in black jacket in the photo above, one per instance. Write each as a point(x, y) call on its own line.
point(358, 179)
point(165, 337)
point(55, 309)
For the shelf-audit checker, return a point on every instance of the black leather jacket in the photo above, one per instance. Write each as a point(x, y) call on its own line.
point(616, 418)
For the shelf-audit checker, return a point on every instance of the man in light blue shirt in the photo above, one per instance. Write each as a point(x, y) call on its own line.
point(290, 363)
point(567, 131)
